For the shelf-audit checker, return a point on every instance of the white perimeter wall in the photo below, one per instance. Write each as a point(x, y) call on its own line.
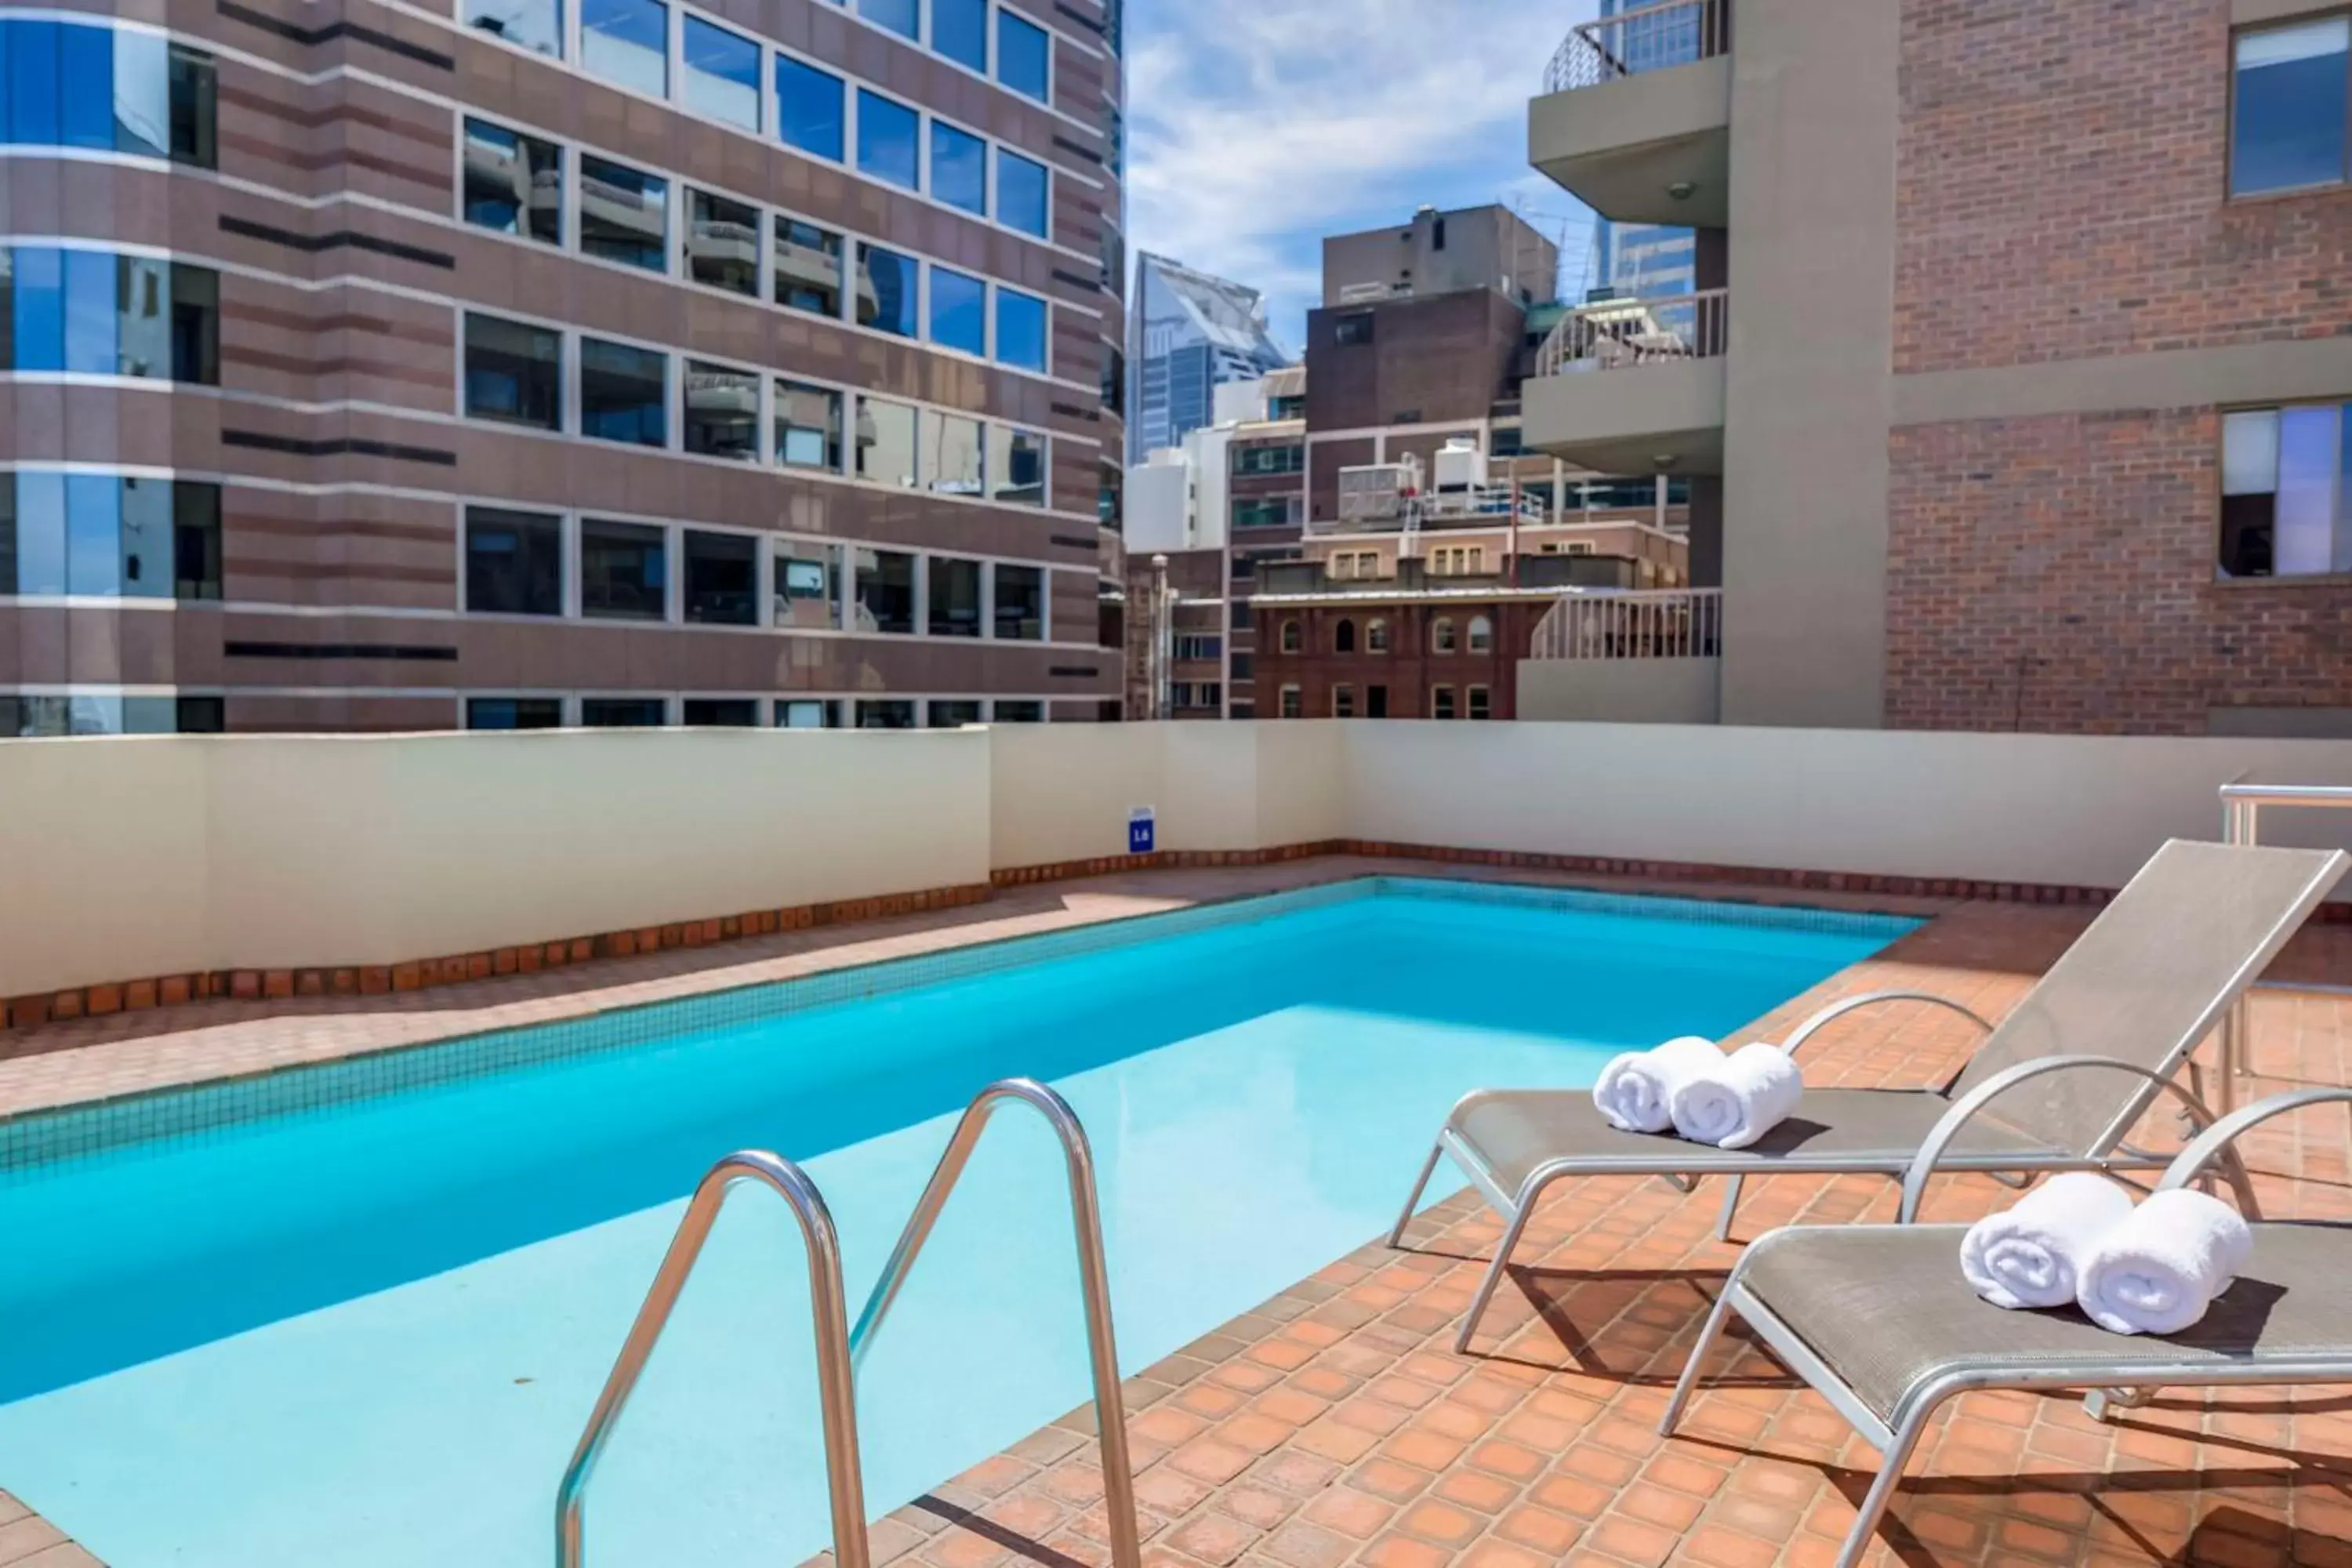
point(123, 859)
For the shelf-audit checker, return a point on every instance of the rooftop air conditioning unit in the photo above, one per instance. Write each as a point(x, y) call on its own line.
point(1461, 465)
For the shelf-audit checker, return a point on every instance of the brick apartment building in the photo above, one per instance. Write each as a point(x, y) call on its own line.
point(2019, 372)
point(377, 366)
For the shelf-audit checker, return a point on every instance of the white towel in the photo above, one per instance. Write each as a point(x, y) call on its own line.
point(1635, 1090)
point(2157, 1271)
point(1754, 1089)
point(2031, 1255)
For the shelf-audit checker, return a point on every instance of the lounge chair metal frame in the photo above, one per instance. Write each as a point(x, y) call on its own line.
point(1897, 1437)
point(2107, 1153)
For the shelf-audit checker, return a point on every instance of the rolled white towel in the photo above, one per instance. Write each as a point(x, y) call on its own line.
point(2157, 1271)
point(1754, 1089)
point(2031, 1255)
point(1635, 1090)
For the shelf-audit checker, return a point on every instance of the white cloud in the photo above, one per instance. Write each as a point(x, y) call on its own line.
point(1259, 126)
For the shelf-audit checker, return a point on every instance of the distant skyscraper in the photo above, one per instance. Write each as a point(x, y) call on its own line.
point(1190, 333)
point(1648, 260)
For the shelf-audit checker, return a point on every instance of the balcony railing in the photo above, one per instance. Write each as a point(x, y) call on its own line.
point(1674, 33)
point(1677, 624)
point(1618, 334)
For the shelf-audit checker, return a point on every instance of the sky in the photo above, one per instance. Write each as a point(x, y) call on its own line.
point(1257, 127)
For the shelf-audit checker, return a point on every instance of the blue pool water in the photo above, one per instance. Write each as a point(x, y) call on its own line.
point(366, 1335)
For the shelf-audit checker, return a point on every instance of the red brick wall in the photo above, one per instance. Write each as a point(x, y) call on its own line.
point(2056, 573)
point(1410, 670)
point(2061, 184)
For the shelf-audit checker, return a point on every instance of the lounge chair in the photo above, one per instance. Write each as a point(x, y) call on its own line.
point(2132, 997)
point(1878, 1320)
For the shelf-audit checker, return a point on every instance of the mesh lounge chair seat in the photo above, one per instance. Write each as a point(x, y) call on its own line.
point(2099, 1037)
point(1879, 1321)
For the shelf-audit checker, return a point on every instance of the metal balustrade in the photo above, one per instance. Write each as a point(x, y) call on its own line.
point(1620, 334)
point(1684, 623)
point(1652, 38)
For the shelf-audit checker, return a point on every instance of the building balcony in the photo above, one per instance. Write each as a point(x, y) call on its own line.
point(1535, 573)
point(1627, 659)
point(1634, 387)
point(1635, 118)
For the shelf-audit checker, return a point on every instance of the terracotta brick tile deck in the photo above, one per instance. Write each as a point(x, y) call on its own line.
point(1333, 1424)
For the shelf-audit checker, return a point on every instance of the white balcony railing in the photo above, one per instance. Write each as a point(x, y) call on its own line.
point(1654, 38)
point(1684, 623)
point(1617, 334)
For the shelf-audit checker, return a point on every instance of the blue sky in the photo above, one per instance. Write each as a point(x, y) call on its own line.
point(1260, 126)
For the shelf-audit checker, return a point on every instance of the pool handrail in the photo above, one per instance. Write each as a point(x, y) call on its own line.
point(836, 1389)
point(1093, 1280)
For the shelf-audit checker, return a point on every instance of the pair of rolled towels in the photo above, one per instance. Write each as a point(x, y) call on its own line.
point(2078, 1241)
point(1693, 1088)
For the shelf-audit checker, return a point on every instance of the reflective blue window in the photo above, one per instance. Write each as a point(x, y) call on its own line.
point(33, 77)
point(90, 312)
point(40, 532)
point(2289, 123)
point(626, 41)
point(959, 312)
point(1023, 53)
point(887, 136)
point(535, 24)
point(958, 168)
point(69, 84)
point(142, 94)
point(1022, 198)
point(106, 536)
point(886, 291)
point(86, 100)
point(722, 74)
point(808, 109)
point(1020, 329)
point(959, 31)
point(901, 17)
point(37, 316)
point(93, 534)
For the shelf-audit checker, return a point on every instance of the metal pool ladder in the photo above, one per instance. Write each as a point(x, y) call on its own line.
point(839, 1348)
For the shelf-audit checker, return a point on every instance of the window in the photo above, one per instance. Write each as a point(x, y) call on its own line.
point(807, 713)
point(1441, 702)
point(1458, 561)
point(1024, 56)
point(884, 587)
point(808, 266)
point(959, 31)
point(104, 536)
point(1021, 711)
point(888, 136)
point(110, 713)
point(885, 443)
point(627, 42)
point(624, 393)
point(903, 17)
point(1290, 641)
point(722, 412)
point(954, 597)
point(949, 714)
point(958, 168)
point(535, 24)
point(2286, 509)
point(1269, 459)
point(514, 183)
point(886, 291)
point(194, 89)
point(195, 540)
point(722, 74)
point(1240, 665)
point(1291, 408)
point(1510, 441)
point(624, 214)
point(722, 578)
point(1016, 466)
point(62, 310)
point(1480, 705)
point(1376, 701)
point(623, 571)
point(1481, 635)
point(951, 455)
point(1020, 604)
point(95, 312)
point(624, 712)
point(1199, 646)
point(808, 427)
point(1376, 638)
point(959, 312)
point(720, 712)
point(1198, 694)
point(808, 587)
point(1343, 702)
point(514, 373)
point(514, 562)
point(1343, 636)
point(1290, 706)
point(2288, 123)
point(1347, 566)
point(1022, 198)
point(1020, 329)
point(514, 713)
point(809, 108)
point(76, 84)
point(1351, 331)
point(1266, 512)
point(722, 243)
point(1441, 636)
point(886, 713)
point(1114, 380)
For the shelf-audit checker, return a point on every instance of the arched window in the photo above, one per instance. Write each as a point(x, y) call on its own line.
point(1343, 636)
point(1376, 637)
point(1481, 635)
point(1441, 636)
point(1290, 636)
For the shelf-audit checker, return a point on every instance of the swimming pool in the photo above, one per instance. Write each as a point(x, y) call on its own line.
point(354, 1317)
